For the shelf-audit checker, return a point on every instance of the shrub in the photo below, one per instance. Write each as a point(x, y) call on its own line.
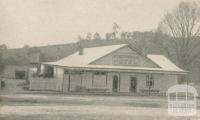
point(81, 89)
point(3, 84)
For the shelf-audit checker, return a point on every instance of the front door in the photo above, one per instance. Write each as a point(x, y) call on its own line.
point(133, 84)
point(115, 83)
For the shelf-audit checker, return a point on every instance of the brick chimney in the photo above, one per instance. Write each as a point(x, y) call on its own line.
point(81, 51)
point(80, 47)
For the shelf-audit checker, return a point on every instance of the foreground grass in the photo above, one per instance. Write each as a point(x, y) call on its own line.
point(85, 100)
point(83, 108)
point(89, 117)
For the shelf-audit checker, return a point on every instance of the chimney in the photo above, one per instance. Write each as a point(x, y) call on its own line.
point(81, 51)
point(80, 47)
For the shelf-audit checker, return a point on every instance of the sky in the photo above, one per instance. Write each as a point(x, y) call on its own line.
point(49, 22)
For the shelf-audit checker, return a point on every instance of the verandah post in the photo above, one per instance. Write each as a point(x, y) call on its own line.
point(149, 83)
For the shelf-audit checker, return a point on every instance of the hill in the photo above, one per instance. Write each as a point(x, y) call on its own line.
point(144, 42)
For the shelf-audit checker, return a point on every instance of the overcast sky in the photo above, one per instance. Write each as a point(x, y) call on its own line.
point(47, 22)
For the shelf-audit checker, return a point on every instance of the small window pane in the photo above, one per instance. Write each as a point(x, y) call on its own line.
point(172, 96)
point(181, 96)
point(149, 81)
point(190, 96)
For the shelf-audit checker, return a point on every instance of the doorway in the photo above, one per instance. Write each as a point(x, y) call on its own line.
point(115, 83)
point(133, 84)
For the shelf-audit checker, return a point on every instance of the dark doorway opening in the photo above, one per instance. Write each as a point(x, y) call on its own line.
point(115, 83)
point(133, 84)
point(20, 74)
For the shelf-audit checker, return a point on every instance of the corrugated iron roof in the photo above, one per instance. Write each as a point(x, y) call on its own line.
point(92, 54)
point(89, 55)
point(163, 62)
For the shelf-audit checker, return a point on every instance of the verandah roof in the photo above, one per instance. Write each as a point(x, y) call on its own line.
point(120, 69)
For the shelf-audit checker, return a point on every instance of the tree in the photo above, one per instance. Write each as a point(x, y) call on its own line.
point(116, 28)
point(123, 35)
point(80, 45)
point(108, 36)
point(115, 32)
point(3, 47)
point(33, 50)
point(26, 46)
point(97, 36)
point(1, 63)
point(89, 36)
point(34, 54)
point(183, 27)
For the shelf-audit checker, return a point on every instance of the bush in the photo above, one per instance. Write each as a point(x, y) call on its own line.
point(81, 89)
point(3, 84)
point(24, 85)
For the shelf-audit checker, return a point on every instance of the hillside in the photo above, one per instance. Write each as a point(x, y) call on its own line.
point(55, 52)
point(147, 42)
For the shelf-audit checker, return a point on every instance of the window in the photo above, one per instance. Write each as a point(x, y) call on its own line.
point(34, 71)
point(72, 72)
point(99, 73)
point(99, 79)
point(149, 81)
point(48, 71)
point(172, 96)
point(181, 96)
point(190, 96)
point(75, 81)
point(20, 74)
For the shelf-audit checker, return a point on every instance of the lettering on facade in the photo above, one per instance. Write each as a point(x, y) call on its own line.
point(125, 59)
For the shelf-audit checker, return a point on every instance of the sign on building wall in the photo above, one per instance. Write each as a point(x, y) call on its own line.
point(99, 81)
point(125, 59)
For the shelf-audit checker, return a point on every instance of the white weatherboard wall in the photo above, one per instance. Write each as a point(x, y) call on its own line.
point(161, 82)
point(40, 83)
point(165, 81)
point(125, 81)
point(87, 79)
point(141, 61)
point(65, 83)
point(75, 81)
